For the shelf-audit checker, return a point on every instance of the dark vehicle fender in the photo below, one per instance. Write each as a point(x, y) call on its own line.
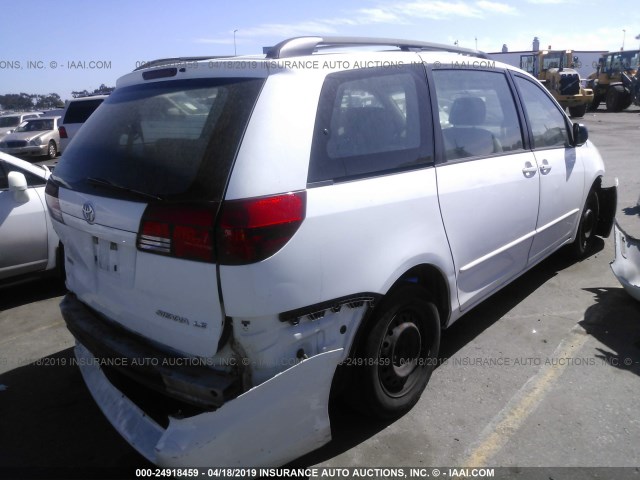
point(608, 200)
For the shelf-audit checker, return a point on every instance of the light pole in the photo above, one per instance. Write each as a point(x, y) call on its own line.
point(624, 34)
point(235, 53)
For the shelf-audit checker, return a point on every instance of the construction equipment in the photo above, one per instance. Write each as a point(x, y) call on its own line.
point(555, 69)
point(616, 80)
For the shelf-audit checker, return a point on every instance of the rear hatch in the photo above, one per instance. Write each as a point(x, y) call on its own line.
point(137, 194)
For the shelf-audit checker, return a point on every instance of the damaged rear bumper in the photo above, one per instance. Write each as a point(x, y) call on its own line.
point(626, 265)
point(267, 426)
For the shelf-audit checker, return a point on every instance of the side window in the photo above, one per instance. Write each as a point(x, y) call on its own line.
point(368, 122)
point(477, 113)
point(547, 122)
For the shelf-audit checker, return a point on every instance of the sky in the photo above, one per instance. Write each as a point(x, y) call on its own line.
point(68, 45)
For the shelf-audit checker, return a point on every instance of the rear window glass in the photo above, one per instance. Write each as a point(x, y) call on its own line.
point(79, 111)
point(175, 140)
point(9, 122)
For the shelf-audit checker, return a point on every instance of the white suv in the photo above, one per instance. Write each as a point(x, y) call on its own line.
point(75, 114)
point(242, 234)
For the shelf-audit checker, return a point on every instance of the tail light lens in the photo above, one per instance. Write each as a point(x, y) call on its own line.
point(51, 192)
point(181, 231)
point(254, 229)
point(247, 231)
point(63, 132)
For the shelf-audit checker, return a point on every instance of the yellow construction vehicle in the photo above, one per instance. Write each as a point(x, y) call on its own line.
point(616, 80)
point(555, 69)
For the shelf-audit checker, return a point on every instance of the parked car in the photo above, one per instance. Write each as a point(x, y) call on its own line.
point(245, 238)
point(9, 122)
point(75, 114)
point(28, 243)
point(626, 264)
point(34, 137)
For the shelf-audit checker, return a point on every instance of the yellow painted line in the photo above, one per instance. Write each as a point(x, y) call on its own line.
point(524, 403)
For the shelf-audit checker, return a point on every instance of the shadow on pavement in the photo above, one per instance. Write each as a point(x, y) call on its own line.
point(49, 420)
point(33, 290)
point(615, 322)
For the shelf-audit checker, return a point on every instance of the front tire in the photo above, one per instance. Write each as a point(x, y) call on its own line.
point(586, 235)
point(398, 353)
point(615, 98)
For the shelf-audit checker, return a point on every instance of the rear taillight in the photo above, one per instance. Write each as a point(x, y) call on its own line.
point(63, 132)
point(178, 231)
point(51, 192)
point(251, 230)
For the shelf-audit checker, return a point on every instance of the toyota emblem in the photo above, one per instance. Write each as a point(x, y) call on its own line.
point(89, 213)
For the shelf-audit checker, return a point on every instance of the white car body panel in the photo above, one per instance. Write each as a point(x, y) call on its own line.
point(562, 185)
point(270, 132)
point(626, 265)
point(28, 242)
point(105, 264)
point(22, 252)
point(392, 202)
point(485, 261)
point(242, 428)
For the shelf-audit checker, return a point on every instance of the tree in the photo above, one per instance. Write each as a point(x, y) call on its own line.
point(45, 102)
point(102, 90)
point(14, 101)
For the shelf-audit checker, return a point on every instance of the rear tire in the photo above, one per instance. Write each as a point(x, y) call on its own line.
point(52, 150)
point(398, 353)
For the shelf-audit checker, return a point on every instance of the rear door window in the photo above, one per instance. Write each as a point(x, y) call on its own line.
point(369, 122)
point(173, 140)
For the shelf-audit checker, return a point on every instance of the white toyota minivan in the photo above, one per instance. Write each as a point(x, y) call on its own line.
point(245, 236)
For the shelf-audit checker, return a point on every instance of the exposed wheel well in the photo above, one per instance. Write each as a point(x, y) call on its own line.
point(433, 281)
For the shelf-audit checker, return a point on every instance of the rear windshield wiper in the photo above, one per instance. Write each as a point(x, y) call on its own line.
point(101, 182)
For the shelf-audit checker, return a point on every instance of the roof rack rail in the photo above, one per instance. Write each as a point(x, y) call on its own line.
point(177, 61)
point(298, 46)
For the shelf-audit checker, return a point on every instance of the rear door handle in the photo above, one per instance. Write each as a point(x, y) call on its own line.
point(529, 170)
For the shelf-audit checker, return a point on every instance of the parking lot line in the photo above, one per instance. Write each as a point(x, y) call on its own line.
point(504, 425)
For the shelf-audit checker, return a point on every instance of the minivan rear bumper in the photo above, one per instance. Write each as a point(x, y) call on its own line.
point(184, 378)
point(267, 426)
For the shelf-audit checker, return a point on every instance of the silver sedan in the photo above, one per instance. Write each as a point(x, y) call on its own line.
point(28, 243)
point(35, 137)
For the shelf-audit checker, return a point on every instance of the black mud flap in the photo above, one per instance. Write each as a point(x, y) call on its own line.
point(608, 199)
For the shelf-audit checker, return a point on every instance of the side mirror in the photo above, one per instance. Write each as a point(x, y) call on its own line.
point(580, 134)
point(18, 185)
